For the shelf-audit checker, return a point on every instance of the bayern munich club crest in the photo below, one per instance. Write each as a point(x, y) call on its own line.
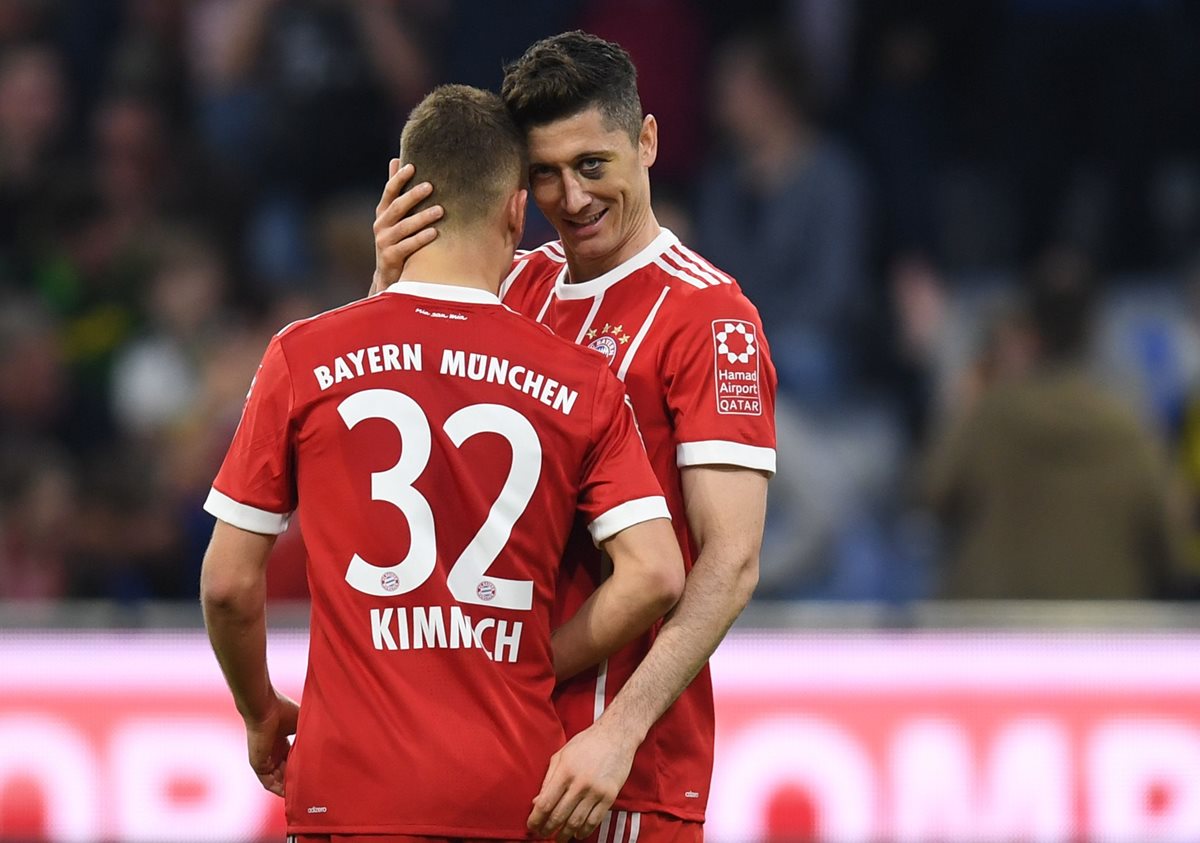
point(486, 590)
point(608, 340)
point(606, 345)
point(389, 581)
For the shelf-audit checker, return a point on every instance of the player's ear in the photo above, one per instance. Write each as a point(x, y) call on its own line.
point(515, 214)
point(648, 141)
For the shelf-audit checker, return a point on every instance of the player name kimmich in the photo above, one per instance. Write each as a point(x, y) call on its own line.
point(427, 627)
point(484, 367)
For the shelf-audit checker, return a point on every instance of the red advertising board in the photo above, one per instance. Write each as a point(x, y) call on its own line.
point(834, 737)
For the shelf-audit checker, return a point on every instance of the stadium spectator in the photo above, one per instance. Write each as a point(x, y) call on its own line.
point(1050, 487)
point(156, 376)
point(301, 100)
point(784, 208)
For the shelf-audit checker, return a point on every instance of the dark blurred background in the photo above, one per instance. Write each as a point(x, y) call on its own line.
point(973, 230)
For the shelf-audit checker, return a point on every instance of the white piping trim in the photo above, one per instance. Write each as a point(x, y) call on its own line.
point(444, 292)
point(641, 335)
point(635, 826)
point(587, 323)
point(721, 452)
point(545, 305)
point(626, 515)
point(604, 824)
point(601, 682)
point(596, 286)
point(620, 832)
point(245, 517)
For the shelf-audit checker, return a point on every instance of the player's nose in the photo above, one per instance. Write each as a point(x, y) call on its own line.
point(575, 198)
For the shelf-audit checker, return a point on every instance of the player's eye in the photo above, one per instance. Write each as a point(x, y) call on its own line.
point(591, 167)
point(539, 173)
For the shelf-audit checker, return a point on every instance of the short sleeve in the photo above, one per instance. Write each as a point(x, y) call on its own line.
point(256, 488)
point(619, 488)
point(720, 383)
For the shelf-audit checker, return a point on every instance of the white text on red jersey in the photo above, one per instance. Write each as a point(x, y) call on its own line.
point(477, 367)
point(394, 628)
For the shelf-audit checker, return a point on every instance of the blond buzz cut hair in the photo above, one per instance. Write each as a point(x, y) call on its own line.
point(463, 141)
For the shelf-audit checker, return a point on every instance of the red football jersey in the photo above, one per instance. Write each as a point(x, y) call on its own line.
point(690, 348)
point(436, 447)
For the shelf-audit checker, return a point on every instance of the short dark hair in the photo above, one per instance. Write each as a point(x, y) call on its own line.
point(1060, 291)
point(566, 74)
point(463, 141)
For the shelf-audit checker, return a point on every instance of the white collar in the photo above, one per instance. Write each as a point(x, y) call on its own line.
point(443, 292)
point(563, 289)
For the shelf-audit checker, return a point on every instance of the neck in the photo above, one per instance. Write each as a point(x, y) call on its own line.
point(472, 260)
point(641, 235)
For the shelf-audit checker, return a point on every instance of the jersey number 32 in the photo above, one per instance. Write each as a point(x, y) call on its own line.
point(394, 486)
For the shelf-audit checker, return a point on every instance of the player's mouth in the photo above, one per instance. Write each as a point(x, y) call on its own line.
point(587, 226)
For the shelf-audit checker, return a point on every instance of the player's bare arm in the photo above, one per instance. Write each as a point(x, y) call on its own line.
point(646, 582)
point(233, 594)
point(726, 508)
point(399, 232)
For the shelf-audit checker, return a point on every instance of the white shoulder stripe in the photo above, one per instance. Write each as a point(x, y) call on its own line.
point(545, 305)
point(549, 250)
point(682, 276)
point(682, 260)
point(680, 263)
point(704, 262)
point(546, 249)
point(641, 335)
point(512, 276)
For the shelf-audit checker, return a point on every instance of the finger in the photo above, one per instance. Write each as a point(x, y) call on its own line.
point(401, 206)
point(594, 818)
point(272, 782)
point(563, 809)
point(395, 184)
point(574, 824)
point(544, 803)
point(394, 257)
point(393, 166)
point(404, 246)
point(399, 231)
point(271, 778)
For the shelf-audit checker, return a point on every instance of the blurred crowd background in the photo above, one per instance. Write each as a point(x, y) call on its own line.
point(972, 230)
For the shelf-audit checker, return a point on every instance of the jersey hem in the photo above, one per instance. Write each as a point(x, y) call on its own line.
point(722, 452)
point(658, 808)
point(245, 517)
point(626, 515)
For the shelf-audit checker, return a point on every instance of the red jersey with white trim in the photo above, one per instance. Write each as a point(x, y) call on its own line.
point(690, 348)
point(436, 447)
